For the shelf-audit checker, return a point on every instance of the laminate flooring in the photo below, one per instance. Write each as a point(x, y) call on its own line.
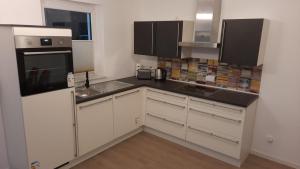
point(146, 151)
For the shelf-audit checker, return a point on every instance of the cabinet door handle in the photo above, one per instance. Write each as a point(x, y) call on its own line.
point(127, 94)
point(152, 48)
point(215, 115)
point(75, 125)
point(181, 97)
point(222, 41)
point(214, 105)
point(89, 105)
point(164, 119)
point(214, 135)
point(178, 31)
point(183, 107)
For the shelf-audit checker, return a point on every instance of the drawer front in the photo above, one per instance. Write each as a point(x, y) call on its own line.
point(165, 125)
point(213, 141)
point(166, 109)
point(218, 108)
point(218, 123)
point(173, 97)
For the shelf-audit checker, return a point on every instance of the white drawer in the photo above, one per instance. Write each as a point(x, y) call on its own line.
point(165, 108)
point(228, 126)
point(173, 97)
point(214, 141)
point(221, 109)
point(165, 125)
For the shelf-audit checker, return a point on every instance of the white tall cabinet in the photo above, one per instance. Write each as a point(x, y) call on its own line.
point(49, 130)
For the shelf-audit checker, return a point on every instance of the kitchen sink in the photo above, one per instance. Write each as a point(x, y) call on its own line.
point(86, 92)
point(101, 88)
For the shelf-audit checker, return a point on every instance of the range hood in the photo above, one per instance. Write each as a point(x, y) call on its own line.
point(206, 25)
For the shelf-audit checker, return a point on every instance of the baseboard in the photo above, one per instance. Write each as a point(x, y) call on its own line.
point(276, 159)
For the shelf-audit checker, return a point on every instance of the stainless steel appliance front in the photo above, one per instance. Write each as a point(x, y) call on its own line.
point(23, 42)
point(43, 63)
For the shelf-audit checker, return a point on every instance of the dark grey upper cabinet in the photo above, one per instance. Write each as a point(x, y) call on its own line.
point(241, 42)
point(144, 38)
point(168, 36)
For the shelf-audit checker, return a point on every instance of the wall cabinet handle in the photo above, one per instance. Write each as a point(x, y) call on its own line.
point(152, 48)
point(214, 135)
point(178, 34)
point(158, 100)
point(215, 115)
point(127, 94)
point(215, 105)
point(181, 97)
point(92, 104)
point(164, 119)
point(222, 41)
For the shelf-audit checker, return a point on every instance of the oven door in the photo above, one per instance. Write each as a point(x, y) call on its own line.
point(44, 69)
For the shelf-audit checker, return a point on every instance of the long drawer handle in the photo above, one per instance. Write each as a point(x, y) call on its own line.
point(214, 135)
point(164, 119)
point(218, 116)
point(75, 122)
point(182, 97)
point(212, 104)
point(128, 94)
point(183, 107)
point(102, 101)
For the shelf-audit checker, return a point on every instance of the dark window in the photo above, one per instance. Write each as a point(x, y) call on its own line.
point(79, 22)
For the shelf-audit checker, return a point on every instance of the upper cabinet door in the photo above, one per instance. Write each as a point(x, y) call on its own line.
point(241, 42)
point(168, 36)
point(144, 39)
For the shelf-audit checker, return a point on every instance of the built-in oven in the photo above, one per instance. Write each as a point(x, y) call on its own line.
point(44, 63)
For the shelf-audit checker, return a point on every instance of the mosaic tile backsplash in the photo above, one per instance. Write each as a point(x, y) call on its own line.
point(210, 72)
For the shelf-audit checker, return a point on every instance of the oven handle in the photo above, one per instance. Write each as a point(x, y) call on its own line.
point(49, 52)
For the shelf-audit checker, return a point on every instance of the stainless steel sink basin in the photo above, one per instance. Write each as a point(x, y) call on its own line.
point(101, 88)
point(86, 92)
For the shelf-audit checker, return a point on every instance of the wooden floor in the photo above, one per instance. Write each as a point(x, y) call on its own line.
point(145, 151)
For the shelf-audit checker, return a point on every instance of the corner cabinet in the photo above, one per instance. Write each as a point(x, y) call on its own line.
point(128, 111)
point(95, 125)
point(243, 42)
point(144, 38)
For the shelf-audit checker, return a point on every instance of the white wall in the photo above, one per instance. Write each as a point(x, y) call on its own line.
point(21, 12)
point(3, 155)
point(278, 109)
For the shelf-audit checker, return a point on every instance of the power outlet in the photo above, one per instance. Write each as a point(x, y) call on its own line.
point(270, 138)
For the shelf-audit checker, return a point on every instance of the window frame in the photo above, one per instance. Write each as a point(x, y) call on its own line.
point(71, 6)
point(77, 7)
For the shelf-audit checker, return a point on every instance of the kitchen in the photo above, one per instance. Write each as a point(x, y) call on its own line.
point(276, 117)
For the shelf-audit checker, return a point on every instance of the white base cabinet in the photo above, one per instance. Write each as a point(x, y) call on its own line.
point(127, 111)
point(94, 124)
point(220, 128)
point(102, 120)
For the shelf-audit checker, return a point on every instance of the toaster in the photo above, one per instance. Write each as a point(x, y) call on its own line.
point(144, 74)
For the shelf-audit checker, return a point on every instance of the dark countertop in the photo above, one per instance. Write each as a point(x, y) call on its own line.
point(219, 95)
